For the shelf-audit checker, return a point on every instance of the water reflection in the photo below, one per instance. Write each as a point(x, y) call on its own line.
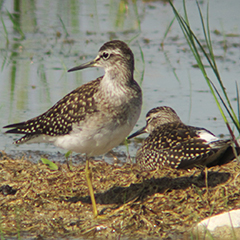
point(40, 40)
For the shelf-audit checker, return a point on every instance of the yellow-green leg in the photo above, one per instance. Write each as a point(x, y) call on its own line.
point(206, 179)
point(88, 173)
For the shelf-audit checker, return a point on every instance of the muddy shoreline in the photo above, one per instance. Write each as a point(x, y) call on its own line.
point(44, 204)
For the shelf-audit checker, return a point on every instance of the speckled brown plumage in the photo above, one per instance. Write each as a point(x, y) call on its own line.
point(58, 120)
point(172, 143)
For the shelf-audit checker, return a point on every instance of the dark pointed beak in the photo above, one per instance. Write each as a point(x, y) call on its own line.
point(140, 131)
point(84, 65)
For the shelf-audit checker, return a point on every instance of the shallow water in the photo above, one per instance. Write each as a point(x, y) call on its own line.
point(59, 35)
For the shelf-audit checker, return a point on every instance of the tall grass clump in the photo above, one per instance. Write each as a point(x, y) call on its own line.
point(198, 49)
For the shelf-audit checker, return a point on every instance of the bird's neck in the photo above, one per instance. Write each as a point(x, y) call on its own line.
point(115, 84)
point(118, 74)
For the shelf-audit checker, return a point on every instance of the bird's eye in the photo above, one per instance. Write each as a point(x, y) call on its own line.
point(105, 55)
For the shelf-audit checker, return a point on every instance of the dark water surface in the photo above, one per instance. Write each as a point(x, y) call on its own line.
point(48, 37)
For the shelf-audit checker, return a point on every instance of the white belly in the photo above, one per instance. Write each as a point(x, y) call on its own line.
point(95, 141)
point(94, 137)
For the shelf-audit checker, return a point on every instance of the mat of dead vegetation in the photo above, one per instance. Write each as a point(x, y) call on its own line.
point(42, 204)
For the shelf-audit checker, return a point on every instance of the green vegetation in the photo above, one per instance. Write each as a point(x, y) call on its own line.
point(198, 49)
point(49, 163)
point(16, 24)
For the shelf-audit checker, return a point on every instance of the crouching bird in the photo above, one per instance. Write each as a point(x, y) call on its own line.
point(172, 143)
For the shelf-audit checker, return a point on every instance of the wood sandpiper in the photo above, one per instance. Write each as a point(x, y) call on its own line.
point(95, 117)
point(172, 143)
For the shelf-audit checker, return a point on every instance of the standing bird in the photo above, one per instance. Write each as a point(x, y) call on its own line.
point(174, 144)
point(95, 117)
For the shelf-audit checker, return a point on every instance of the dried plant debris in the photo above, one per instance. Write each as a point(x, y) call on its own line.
point(167, 203)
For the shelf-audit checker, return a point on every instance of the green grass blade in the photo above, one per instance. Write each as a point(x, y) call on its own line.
point(209, 46)
point(238, 102)
point(16, 25)
point(143, 61)
point(5, 31)
point(67, 154)
point(173, 69)
point(64, 27)
point(135, 7)
point(167, 31)
point(237, 124)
